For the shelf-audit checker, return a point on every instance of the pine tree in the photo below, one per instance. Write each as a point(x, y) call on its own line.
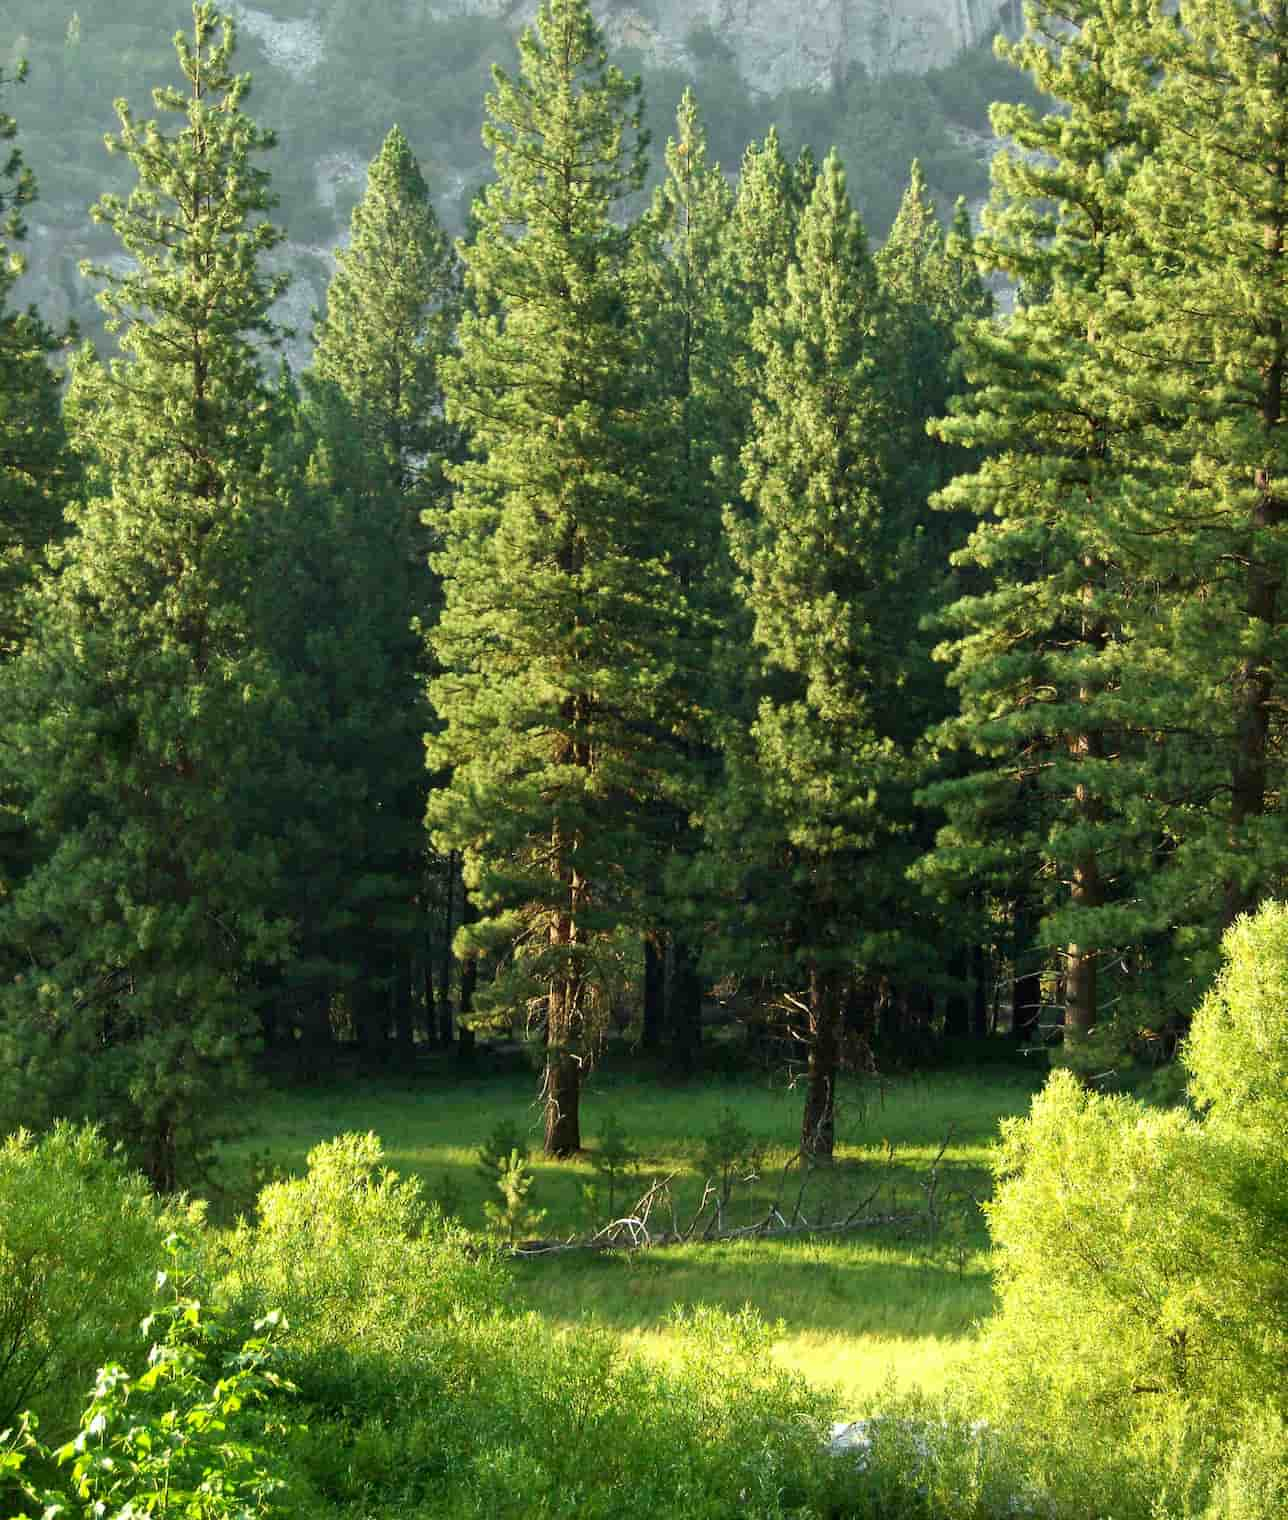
point(362, 903)
point(804, 818)
point(760, 243)
point(1044, 638)
point(391, 313)
point(1205, 345)
point(928, 287)
point(554, 639)
point(689, 336)
point(139, 704)
point(37, 469)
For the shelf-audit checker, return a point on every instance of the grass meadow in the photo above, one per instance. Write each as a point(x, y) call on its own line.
point(891, 1303)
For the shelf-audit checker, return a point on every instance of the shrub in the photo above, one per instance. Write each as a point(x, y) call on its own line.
point(364, 1269)
point(184, 1437)
point(81, 1237)
point(427, 1395)
point(1253, 1483)
point(1237, 1052)
point(1143, 1270)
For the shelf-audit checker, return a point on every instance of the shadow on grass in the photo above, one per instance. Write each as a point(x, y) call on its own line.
point(837, 1287)
point(433, 1129)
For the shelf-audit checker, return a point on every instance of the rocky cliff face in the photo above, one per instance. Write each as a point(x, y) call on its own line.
point(780, 44)
point(775, 45)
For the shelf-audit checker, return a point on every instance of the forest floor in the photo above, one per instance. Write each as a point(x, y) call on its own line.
point(895, 1300)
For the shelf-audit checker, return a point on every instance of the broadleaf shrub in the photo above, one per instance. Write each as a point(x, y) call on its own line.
point(81, 1236)
point(1143, 1271)
point(185, 1437)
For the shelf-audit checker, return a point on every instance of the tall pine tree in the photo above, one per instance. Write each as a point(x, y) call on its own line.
point(37, 469)
point(138, 705)
point(560, 608)
point(354, 555)
point(691, 304)
point(1204, 344)
point(1043, 636)
point(804, 817)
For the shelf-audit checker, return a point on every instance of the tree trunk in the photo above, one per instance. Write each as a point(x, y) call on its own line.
point(445, 959)
point(818, 1124)
point(1256, 683)
point(561, 1082)
point(654, 994)
point(431, 1017)
point(404, 1033)
point(369, 1003)
point(957, 1004)
point(1081, 967)
point(979, 1011)
point(1026, 988)
point(686, 1007)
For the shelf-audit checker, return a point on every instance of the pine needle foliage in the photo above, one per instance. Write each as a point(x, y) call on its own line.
point(138, 706)
point(805, 795)
point(560, 607)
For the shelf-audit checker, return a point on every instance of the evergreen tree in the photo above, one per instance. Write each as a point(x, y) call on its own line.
point(1204, 344)
point(137, 708)
point(555, 639)
point(37, 470)
point(928, 286)
point(804, 819)
point(689, 336)
point(1044, 637)
point(35, 466)
point(391, 313)
point(760, 243)
point(359, 888)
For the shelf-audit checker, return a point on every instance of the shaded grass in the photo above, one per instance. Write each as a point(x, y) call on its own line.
point(856, 1310)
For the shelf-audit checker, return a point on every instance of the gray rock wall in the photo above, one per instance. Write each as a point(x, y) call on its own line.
point(784, 43)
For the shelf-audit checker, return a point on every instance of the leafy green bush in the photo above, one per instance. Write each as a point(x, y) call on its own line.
point(364, 1269)
point(1143, 1271)
point(1237, 1052)
point(1253, 1482)
point(80, 1240)
point(423, 1393)
point(184, 1438)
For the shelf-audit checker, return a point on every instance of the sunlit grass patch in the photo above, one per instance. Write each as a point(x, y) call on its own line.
point(886, 1301)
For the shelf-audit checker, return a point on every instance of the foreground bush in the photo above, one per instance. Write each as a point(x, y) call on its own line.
point(184, 1438)
point(1136, 1364)
point(81, 1238)
point(421, 1391)
point(363, 1268)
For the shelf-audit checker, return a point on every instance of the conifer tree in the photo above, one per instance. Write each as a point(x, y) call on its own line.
point(374, 407)
point(35, 466)
point(1043, 640)
point(1204, 344)
point(928, 285)
point(138, 705)
point(760, 243)
point(689, 336)
point(391, 313)
point(803, 819)
point(560, 607)
point(37, 469)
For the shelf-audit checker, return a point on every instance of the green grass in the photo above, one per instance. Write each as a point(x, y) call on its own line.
point(857, 1310)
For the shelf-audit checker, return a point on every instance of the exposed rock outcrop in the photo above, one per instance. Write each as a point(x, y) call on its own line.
point(807, 43)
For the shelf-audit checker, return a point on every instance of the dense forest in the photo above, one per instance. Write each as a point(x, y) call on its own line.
point(664, 596)
point(620, 606)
